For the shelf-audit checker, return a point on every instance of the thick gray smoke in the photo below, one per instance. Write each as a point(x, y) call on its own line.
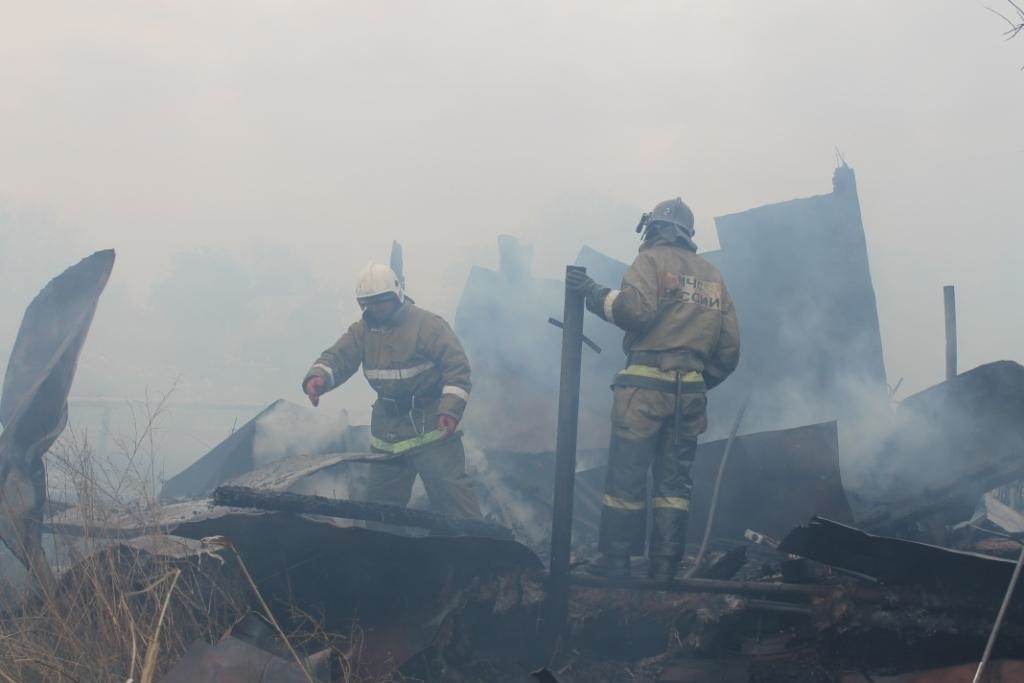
point(247, 160)
point(279, 434)
point(503, 503)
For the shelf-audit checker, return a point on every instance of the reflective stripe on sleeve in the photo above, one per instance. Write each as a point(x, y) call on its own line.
point(609, 302)
point(671, 503)
point(622, 503)
point(458, 392)
point(397, 373)
point(408, 444)
point(321, 366)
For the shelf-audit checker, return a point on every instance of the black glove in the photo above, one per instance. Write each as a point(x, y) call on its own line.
point(581, 283)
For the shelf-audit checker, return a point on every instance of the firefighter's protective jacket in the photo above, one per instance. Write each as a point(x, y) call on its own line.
point(673, 304)
point(416, 365)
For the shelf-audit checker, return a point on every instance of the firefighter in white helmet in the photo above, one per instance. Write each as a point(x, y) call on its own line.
point(415, 363)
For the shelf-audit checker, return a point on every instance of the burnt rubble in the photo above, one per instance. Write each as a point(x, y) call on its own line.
point(451, 607)
point(809, 578)
point(946, 446)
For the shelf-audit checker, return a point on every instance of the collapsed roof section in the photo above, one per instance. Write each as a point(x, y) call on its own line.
point(798, 273)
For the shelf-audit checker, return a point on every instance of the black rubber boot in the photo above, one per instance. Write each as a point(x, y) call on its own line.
point(610, 566)
point(624, 504)
point(662, 569)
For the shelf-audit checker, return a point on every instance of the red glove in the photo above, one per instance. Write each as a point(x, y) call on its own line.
point(446, 424)
point(313, 388)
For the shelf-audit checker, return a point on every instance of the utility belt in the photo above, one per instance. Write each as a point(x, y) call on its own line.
point(676, 382)
point(416, 408)
point(668, 381)
point(400, 406)
point(409, 446)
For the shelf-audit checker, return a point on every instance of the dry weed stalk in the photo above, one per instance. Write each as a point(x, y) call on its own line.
point(119, 612)
point(107, 618)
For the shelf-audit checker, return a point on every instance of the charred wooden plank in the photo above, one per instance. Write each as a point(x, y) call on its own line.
point(764, 589)
point(282, 501)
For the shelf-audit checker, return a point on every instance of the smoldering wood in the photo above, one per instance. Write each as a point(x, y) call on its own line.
point(717, 586)
point(283, 501)
point(847, 592)
point(945, 447)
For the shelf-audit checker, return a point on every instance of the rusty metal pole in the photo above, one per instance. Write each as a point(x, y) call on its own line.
point(949, 297)
point(565, 464)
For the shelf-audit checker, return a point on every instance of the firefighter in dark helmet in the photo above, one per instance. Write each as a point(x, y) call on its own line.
point(682, 339)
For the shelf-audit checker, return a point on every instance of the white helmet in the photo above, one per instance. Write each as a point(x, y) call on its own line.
point(377, 279)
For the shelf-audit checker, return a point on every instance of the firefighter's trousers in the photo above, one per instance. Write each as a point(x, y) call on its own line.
point(441, 466)
point(646, 436)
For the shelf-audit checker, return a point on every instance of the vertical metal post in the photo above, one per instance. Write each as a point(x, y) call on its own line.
point(565, 462)
point(949, 297)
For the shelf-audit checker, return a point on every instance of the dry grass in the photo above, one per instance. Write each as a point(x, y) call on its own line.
point(120, 613)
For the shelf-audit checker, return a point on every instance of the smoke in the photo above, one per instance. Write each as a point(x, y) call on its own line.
point(247, 160)
point(500, 501)
point(294, 430)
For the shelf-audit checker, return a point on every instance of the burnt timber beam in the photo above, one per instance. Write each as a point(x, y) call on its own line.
point(284, 501)
point(887, 596)
point(755, 588)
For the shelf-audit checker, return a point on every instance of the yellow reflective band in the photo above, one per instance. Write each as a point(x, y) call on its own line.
point(671, 503)
point(655, 373)
point(622, 503)
point(408, 444)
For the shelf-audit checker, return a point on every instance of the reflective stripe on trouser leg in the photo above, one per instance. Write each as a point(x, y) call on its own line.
point(442, 467)
point(624, 505)
point(671, 497)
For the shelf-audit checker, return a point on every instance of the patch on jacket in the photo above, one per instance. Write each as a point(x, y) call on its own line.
point(690, 290)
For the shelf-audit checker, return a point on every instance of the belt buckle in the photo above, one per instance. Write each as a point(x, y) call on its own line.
point(420, 429)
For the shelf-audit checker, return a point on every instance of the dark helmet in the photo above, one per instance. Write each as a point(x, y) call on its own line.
point(671, 212)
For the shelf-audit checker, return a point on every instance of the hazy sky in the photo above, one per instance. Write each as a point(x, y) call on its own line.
point(333, 127)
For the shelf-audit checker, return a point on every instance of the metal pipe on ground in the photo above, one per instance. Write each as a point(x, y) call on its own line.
point(709, 527)
point(999, 618)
